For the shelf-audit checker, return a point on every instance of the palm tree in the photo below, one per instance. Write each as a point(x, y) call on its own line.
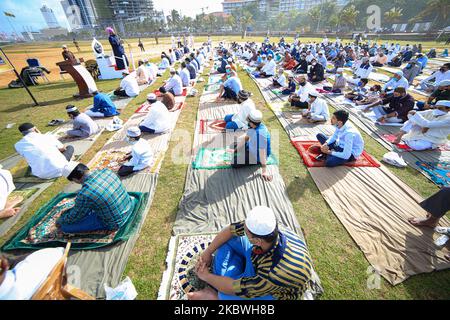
point(348, 16)
point(314, 16)
point(439, 8)
point(231, 22)
point(246, 21)
point(394, 15)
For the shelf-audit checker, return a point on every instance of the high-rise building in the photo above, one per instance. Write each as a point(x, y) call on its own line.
point(80, 13)
point(49, 17)
point(132, 10)
point(273, 7)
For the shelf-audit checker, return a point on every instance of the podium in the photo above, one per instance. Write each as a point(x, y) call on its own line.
point(81, 76)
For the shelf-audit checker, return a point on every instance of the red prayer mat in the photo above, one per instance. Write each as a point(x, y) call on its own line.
point(145, 107)
point(212, 126)
point(184, 93)
point(309, 150)
point(391, 138)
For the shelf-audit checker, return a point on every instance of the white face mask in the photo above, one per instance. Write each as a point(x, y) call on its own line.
point(130, 141)
point(438, 113)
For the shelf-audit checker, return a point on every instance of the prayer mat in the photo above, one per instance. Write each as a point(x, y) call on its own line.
point(112, 159)
point(437, 171)
point(145, 107)
point(212, 126)
point(212, 88)
point(402, 146)
point(309, 150)
point(180, 278)
point(25, 193)
point(219, 158)
point(184, 93)
point(41, 231)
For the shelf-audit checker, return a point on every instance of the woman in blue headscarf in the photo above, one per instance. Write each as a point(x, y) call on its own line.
point(119, 51)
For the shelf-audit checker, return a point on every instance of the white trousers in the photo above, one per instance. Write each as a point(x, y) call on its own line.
point(416, 144)
point(93, 114)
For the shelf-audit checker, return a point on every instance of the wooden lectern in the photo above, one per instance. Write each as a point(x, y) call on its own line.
point(81, 76)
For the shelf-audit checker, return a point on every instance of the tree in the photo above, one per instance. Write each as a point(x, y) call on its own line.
point(246, 21)
point(348, 16)
point(440, 9)
point(394, 15)
point(314, 16)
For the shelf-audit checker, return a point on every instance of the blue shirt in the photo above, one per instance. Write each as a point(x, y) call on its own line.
point(423, 61)
point(259, 139)
point(103, 104)
point(234, 84)
point(349, 139)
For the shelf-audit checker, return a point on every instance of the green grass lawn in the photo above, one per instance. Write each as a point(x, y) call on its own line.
point(339, 262)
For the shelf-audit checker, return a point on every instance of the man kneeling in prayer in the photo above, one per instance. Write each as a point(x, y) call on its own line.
point(140, 156)
point(254, 260)
point(318, 109)
point(103, 106)
point(427, 129)
point(255, 148)
point(102, 204)
point(239, 120)
point(158, 120)
point(346, 144)
point(45, 154)
point(83, 125)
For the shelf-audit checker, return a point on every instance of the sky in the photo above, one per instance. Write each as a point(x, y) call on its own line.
point(28, 12)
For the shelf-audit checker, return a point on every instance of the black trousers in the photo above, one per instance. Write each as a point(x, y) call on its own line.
point(120, 93)
point(240, 161)
point(438, 204)
point(125, 171)
point(69, 152)
point(300, 104)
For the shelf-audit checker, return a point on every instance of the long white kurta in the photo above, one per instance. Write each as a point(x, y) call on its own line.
point(28, 275)
point(141, 155)
point(6, 187)
point(41, 151)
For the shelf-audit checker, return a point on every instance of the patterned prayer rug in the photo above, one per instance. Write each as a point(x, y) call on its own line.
point(184, 93)
point(112, 159)
point(145, 107)
point(210, 88)
point(41, 231)
point(437, 171)
point(212, 126)
point(309, 150)
point(219, 158)
point(180, 278)
point(25, 193)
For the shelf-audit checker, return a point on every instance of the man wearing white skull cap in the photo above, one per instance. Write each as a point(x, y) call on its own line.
point(254, 260)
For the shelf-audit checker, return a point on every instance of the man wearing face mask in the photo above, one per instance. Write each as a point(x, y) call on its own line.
point(302, 67)
point(398, 80)
point(300, 98)
point(239, 120)
point(400, 104)
point(269, 69)
point(427, 129)
point(346, 144)
point(45, 154)
point(255, 260)
point(442, 74)
point(230, 88)
point(318, 109)
point(412, 70)
point(441, 93)
point(362, 71)
point(317, 72)
point(140, 156)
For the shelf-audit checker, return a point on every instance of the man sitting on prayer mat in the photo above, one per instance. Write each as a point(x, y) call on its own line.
point(184, 75)
point(317, 73)
point(280, 79)
point(129, 86)
point(437, 206)
point(300, 98)
point(103, 106)
point(8, 205)
point(174, 85)
point(427, 129)
point(158, 120)
point(254, 260)
point(24, 280)
point(400, 104)
point(441, 93)
point(45, 154)
point(142, 75)
point(269, 69)
point(83, 125)
point(346, 144)
point(397, 81)
point(339, 82)
point(231, 87)
point(102, 204)
point(318, 110)
point(239, 120)
point(140, 156)
point(255, 148)
point(167, 98)
point(359, 92)
point(442, 74)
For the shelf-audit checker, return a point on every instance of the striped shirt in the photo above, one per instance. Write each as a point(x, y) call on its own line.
point(283, 272)
point(102, 194)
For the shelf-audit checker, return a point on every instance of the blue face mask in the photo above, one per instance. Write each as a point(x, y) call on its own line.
point(360, 84)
